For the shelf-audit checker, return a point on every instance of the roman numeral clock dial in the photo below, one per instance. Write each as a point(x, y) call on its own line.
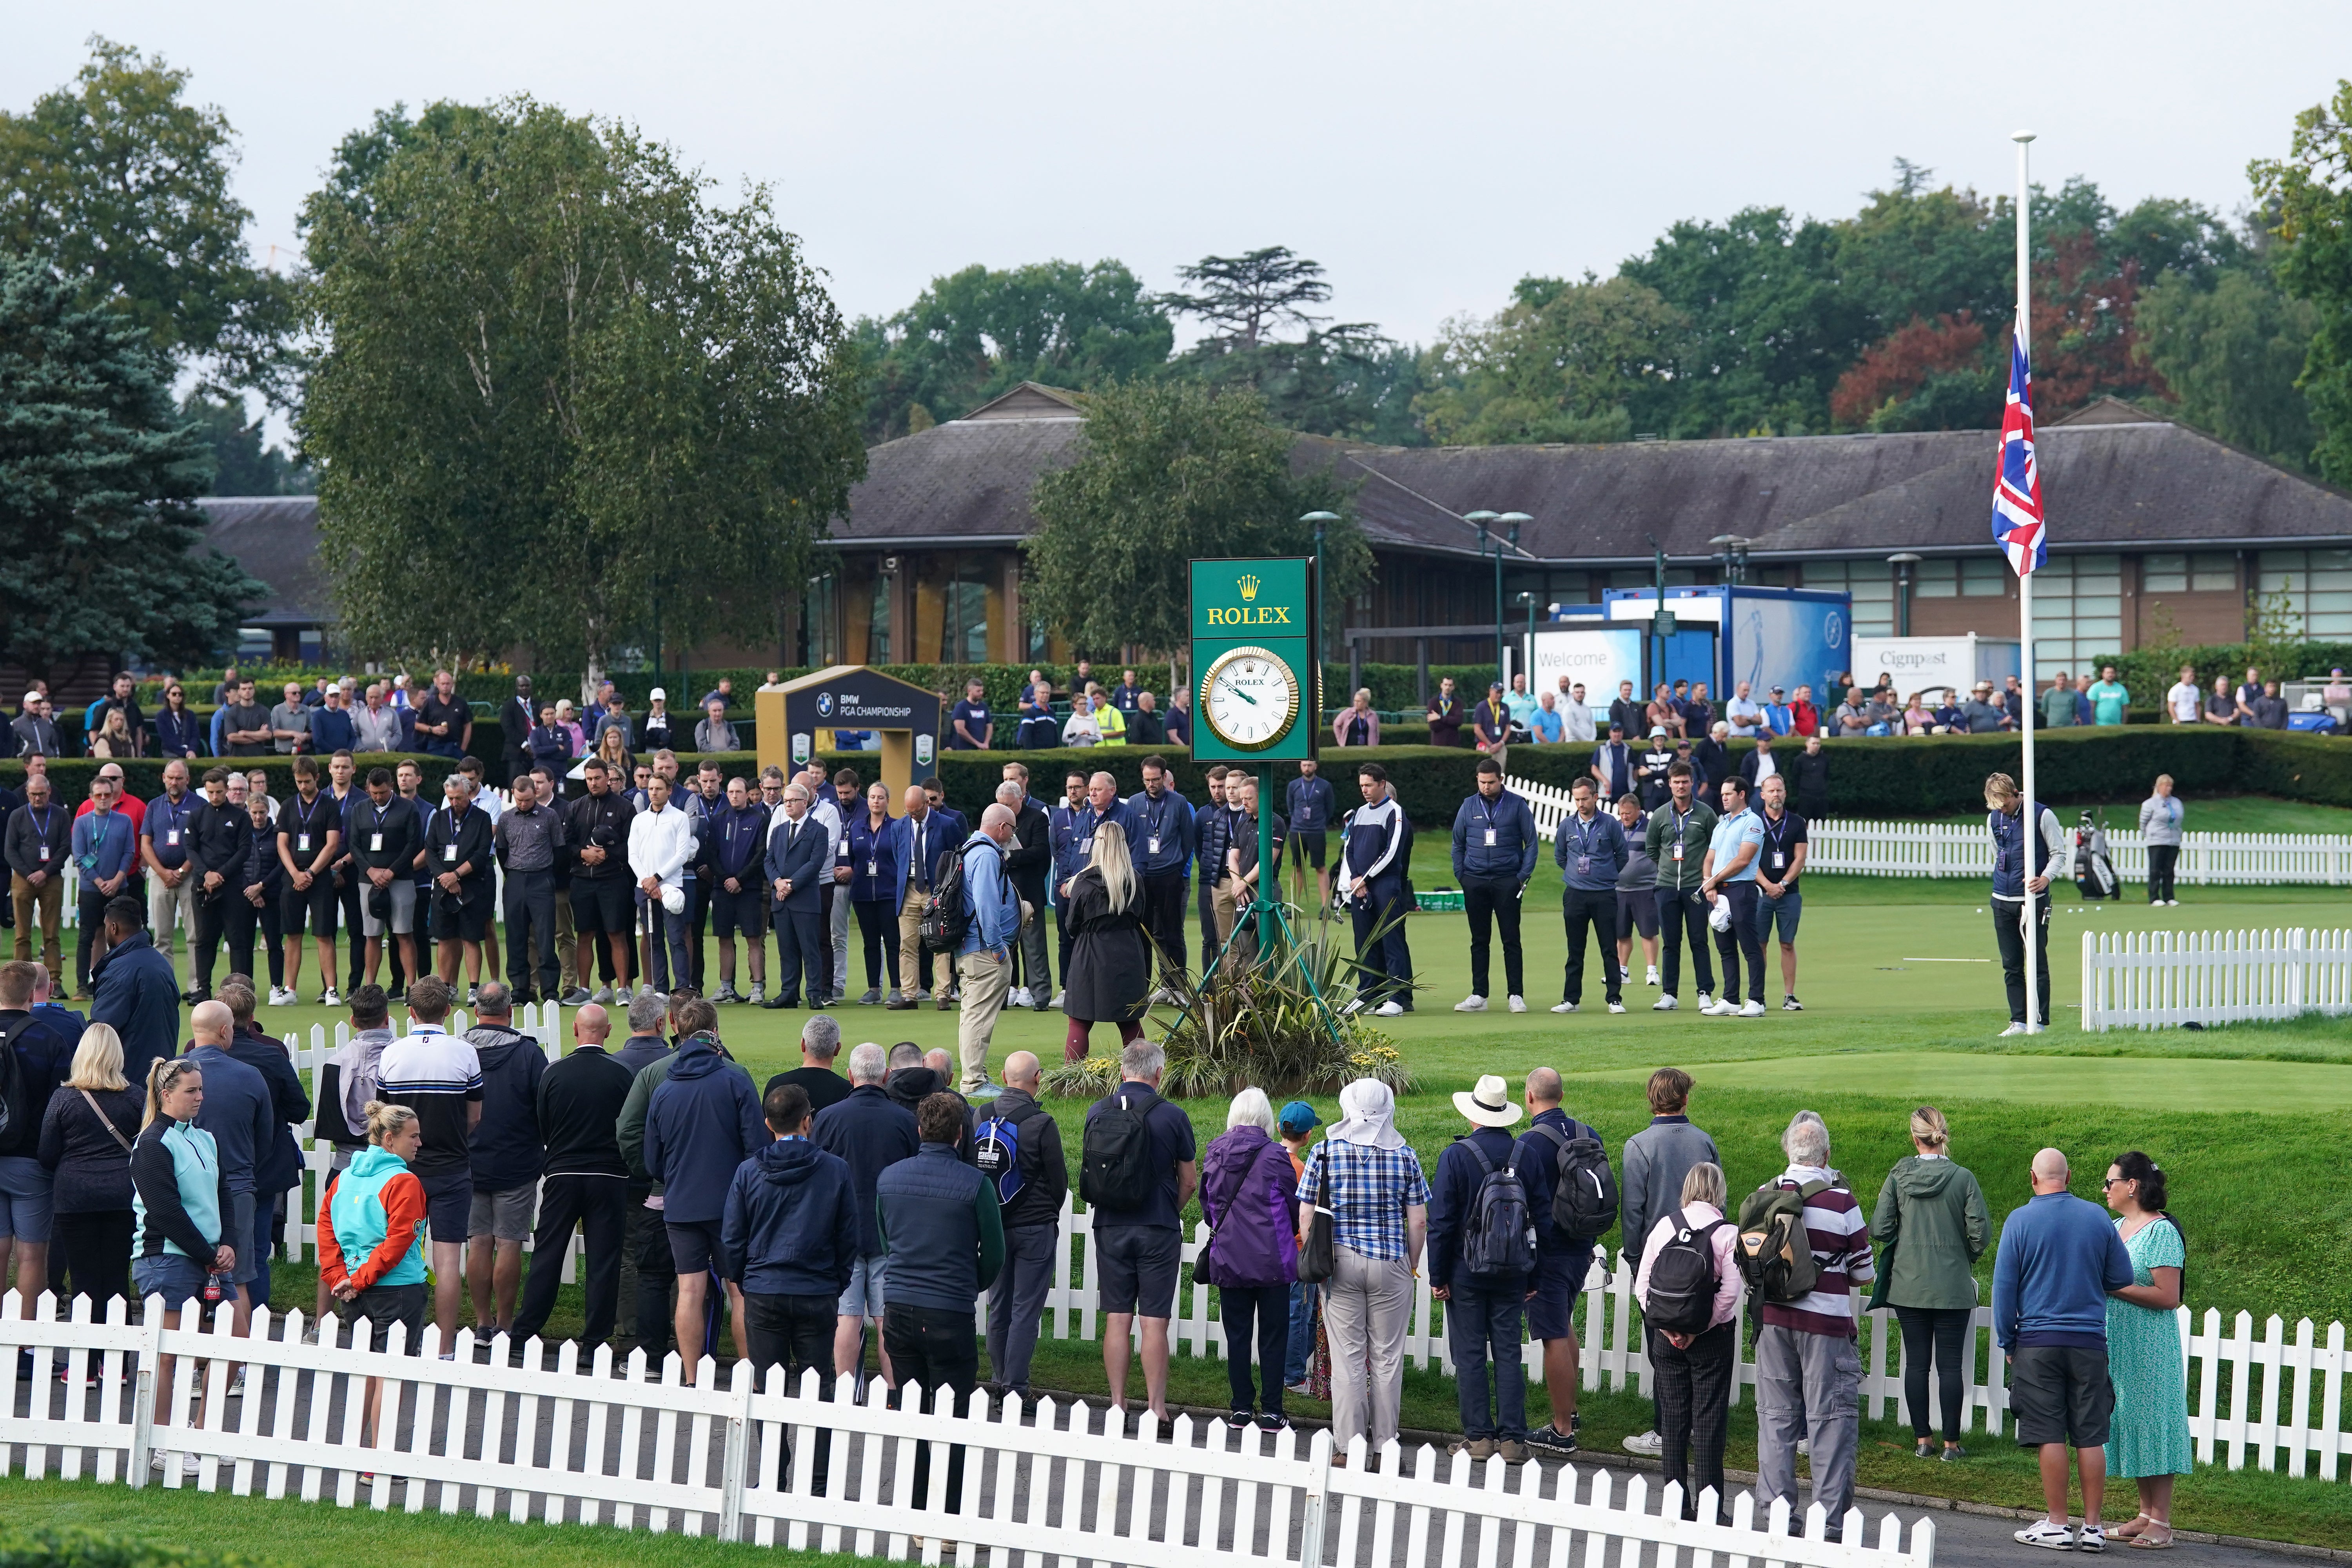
point(1249, 697)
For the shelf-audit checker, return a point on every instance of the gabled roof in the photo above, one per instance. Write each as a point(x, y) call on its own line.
point(966, 482)
point(1030, 400)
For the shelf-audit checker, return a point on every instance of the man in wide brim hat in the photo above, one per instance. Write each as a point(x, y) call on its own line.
point(1483, 1303)
point(1490, 1104)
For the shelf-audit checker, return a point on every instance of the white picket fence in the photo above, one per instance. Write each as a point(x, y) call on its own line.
point(724, 1460)
point(1839, 846)
point(2160, 979)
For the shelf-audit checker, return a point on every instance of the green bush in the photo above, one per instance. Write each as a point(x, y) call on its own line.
point(86, 1549)
point(2148, 672)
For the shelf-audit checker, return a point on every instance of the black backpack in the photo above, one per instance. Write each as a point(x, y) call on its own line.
point(1115, 1164)
point(1499, 1235)
point(1683, 1281)
point(20, 1122)
point(1584, 1189)
point(1775, 1253)
point(948, 914)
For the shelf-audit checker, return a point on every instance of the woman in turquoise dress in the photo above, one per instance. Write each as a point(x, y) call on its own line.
point(2148, 1439)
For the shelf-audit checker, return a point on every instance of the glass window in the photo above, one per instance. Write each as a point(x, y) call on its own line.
point(2164, 574)
point(1984, 577)
point(823, 620)
point(1935, 579)
point(2213, 571)
point(878, 632)
point(963, 624)
point(1871, 583)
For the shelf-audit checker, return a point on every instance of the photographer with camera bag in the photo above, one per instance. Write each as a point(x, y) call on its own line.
point(1803, 1248)
point(1688, 1287)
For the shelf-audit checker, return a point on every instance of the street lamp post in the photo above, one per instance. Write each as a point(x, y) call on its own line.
point(1485, 524)
point(1903, 562)
point(1322, 520)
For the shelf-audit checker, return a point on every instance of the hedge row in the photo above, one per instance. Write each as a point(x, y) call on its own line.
point(2148, 673)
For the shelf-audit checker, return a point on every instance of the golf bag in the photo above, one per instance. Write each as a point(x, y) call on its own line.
point(2095, 873)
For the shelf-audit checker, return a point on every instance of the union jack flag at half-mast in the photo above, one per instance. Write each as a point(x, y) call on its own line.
point(2017, 486)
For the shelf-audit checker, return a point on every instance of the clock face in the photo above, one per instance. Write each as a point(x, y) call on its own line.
point(1249, 698)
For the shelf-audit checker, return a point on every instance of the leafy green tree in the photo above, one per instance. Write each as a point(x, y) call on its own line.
point(1170, 471)
point(977, 333)
point(562, 395)
point(2312, 187)
point(2231, 351)
point(96, 474)
point(242, 464)
point(125, 183)
point(1564, 362)
point(1247, 299)
point(1916, 251)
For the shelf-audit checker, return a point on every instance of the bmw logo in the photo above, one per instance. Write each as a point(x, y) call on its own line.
point(825, 704)
point(1832, 634)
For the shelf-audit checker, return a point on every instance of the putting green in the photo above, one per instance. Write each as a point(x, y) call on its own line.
point(2191, 1082)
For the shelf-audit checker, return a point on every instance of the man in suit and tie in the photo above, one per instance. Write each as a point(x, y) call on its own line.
point(800, 862)
point(919, 839)
point(515, 721)
point(1612, 763)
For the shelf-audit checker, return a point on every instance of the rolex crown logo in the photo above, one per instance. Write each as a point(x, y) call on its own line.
point(1249, 586)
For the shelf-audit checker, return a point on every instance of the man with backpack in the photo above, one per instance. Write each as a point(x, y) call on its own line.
point(988, 912)
point(1657, 1160)
point(1573, 1198)
point(1138, 1169)
point(1018, 1146)
point(1804, 1249)
point(1482, 1249)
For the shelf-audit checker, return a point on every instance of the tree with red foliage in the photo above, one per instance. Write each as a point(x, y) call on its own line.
point(1893, 371)
point(2086, 332)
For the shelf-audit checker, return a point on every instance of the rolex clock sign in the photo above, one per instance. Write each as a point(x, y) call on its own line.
point(1255, 697)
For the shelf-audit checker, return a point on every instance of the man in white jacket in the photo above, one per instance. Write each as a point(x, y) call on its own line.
point(661, 843)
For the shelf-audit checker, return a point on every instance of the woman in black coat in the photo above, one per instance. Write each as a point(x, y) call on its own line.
point(87, 1132)
point(1108, 978)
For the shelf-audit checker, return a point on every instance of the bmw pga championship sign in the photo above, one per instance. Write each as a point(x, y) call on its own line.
point(1256, 696)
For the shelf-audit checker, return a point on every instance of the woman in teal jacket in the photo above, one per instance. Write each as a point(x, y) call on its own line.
point(180, 1198)
point(1930, 1227)
point(371, 1249)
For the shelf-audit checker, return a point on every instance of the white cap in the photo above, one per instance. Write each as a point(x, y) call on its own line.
point(31, 698)
point(673, 901)
point(658, 695)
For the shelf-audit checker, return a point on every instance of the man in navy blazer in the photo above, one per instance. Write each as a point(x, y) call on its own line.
point(800, 862)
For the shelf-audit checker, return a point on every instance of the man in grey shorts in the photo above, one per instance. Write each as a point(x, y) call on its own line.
point(872, 1133)
point(508, 1152)
point(385, 836)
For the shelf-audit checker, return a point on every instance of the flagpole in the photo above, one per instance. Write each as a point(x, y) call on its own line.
point(2032, 826)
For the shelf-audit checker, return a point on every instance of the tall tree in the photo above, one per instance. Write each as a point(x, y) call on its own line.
point(96, 474)
point(1170, 471)
point(243, 464)
point(976, 333)
point(1247, 299)
point(2312, 187)
point(126, 184)
point(1564, 362)
point(2231, 350)
point(564, 395)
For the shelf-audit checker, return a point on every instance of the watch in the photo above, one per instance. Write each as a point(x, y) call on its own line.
point(1249, 698)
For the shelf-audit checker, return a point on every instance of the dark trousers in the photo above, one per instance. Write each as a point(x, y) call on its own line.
point(1744, 939)
point(1944, 1331)
point(91, 919)
point(1383, 968)
point(1264, 1309)
point(935, 1347)
point(2008, 920)
point(1016, 1302)
point(877, 932)
point(1482, 1327)
point(1580, 909)
point(529, 903)
point(1683, 912)
point(599, 1207)
point(1029, 965)
point(802, 947)
point(698, 926)
point(204, 946)
point(2161, 859)
point(1163, 920)
point(794, 1332)
point(243, 921)
point(669, 957)
point(354, 937)
point(1693, 1392)
point(657, 1274)
point(1493, 900)
point(89, 1255)
point(1204, 898)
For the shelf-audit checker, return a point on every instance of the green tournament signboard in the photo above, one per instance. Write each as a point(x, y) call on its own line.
point(1254, 696)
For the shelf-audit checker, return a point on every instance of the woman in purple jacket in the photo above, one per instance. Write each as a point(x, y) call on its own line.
point(1246, 1187)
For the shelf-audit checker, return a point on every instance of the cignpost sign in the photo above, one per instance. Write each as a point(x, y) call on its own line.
point(1254, 669)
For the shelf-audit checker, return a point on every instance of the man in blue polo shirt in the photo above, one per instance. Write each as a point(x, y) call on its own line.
point(1728, 878)
point(974, 726)
point(1494, 855)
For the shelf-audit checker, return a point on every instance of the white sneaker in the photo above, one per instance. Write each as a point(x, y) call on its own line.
point(1664, 1005)
point(1519, 1004)
point(1651, 979)
point(1790, 1004)
point(1564, 1007)
point(2056, 1537)
point(1648, 1443)
point(330, 998)
point(1751, 1010)
point(1057, 999)
point(1616, 1006)
point(621, 994)
point(1724, 1008)
point(759, 993)
point(1387, 1010)
point(1705, 1003)
point(2013, 1030)
point(1020, 997)
point(603, 995)
point(280, 996)
point(1473, 1003)
point(2091, 1538)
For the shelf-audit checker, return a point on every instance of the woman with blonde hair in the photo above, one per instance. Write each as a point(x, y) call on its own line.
point(1108, 977)
point(1930, 1227)
point(87, 1133)
point(1357, 725)
point(372, 1246)
point(613, 750)
point(1246, 1187)
point(113, 738)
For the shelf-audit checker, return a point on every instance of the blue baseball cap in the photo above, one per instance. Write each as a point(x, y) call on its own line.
point(1299, 1117)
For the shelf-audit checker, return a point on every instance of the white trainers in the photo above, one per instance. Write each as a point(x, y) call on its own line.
point(2056, 1537)
point(282, 996)
point(759, 993)
point(1664, 1005)
point(1705, 1003)
point(2013, 1030)
point(1057, 999)
point(1020, 997)
point(1387, 1010)
point(330, 997)
point(1518, 1003)
point(1616, 1006)
point(1648, 1443)
point(1790, 1004)
point(1651, 979)
point(1564, 1007)
point(1751, 1010)
point(1471, 1003)
point(602, 997)
point(621, 994)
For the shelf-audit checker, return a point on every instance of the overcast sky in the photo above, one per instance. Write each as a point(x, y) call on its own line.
point(1429, 155)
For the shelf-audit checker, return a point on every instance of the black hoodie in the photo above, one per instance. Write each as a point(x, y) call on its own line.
point(507, 1147)
point(791, 1225)
point(910, 1087)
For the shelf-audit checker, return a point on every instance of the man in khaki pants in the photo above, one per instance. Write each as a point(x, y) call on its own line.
point(919, 839)
point(985, 958)
point(40, 842)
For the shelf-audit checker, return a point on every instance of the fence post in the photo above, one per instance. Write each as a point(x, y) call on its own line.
point(2091, 1022)
point(737, 1460)
point(1318, 1494)
point(142, 1394)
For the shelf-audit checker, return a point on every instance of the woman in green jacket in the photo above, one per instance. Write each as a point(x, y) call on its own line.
point(1930, 1227)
